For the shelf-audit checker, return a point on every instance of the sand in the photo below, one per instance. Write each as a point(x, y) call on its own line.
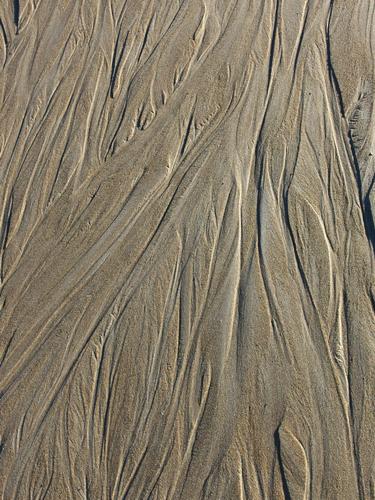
point(186, 249)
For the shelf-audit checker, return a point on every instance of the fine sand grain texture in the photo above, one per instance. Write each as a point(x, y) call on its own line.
point(187, 240)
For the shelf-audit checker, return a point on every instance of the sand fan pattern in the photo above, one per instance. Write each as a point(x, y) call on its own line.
point(186, 249)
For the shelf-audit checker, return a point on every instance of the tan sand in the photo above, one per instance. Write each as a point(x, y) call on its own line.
point(187, 266)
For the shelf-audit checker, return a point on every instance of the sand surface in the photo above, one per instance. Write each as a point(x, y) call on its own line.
point(186, 249)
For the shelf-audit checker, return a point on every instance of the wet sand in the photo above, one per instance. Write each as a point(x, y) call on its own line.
point(186, 249)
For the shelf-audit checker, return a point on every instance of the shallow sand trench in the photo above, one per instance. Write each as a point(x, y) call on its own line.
point(186, 249)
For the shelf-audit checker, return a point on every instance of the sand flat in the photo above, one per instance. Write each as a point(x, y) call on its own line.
point(187, 249)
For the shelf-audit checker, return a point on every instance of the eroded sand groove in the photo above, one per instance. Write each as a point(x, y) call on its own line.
point(186, 249)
